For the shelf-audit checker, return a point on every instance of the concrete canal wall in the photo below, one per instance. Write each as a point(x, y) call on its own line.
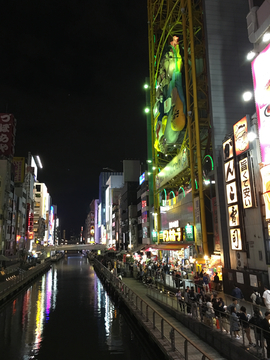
point(10, 288)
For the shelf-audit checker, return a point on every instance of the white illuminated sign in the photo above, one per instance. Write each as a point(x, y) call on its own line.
point(229, 171)
point(174, 224)
point(245, 183)
point(172, 235)
point(231, 193)
point(233, 215)
point(236, 241)
point(228, 149)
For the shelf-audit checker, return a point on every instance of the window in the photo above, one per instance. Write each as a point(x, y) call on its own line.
point(38, 188)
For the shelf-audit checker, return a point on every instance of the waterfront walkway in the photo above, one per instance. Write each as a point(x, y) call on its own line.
point(141, 290)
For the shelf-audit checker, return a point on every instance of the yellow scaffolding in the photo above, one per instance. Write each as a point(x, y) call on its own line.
point(184, 19)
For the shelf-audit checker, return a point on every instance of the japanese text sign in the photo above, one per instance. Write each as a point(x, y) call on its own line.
point(231, 193)
point(229, 171)
point(245, 183)
point(7, 134)
point(233, 215)
point(228, 149)
point(236, 241)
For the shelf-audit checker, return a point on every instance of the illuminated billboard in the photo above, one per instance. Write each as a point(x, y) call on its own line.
point(265, 173)
point(240, 131)
point(261, 80)
point(142, 178)
point(170, 107)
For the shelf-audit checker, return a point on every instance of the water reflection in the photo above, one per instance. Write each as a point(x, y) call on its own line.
point(66, 314)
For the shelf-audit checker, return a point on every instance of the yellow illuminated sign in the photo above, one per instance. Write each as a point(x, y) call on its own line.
point(172, 235)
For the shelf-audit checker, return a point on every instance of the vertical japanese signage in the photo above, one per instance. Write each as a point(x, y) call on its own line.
point(7, 134)
point(232, 198)
point(261, 80)
point(245, 183)
point(19, 168)
point(240, 131)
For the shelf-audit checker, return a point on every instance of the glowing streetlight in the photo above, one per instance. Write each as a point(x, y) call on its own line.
point(266, 37)
point(251, 55)
point(146, 110)
point(247, 95)
point(146, 86)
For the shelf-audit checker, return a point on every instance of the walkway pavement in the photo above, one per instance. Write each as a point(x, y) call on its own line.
point(141, 290)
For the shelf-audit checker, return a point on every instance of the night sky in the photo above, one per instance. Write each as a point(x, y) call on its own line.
point(72, 73)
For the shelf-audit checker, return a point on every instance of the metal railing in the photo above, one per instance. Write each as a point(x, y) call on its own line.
point(161, 327)
point(7, 286)
point(218, 320)
point(158, 280)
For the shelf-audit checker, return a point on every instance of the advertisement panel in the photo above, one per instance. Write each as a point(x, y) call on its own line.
point(240, 131)
point(245, 183)
point(7, 134)
point(19, 167)
point(178, 164)
point(265, 173)
point(261, 80)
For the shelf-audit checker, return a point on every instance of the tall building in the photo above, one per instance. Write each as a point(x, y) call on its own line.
point(198, 75)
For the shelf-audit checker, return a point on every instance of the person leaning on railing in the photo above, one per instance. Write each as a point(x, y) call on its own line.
point(256, 323)
point(266, 331)
point(244, 322)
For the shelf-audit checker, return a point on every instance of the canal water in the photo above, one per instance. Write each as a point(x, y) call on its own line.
point(67, 315)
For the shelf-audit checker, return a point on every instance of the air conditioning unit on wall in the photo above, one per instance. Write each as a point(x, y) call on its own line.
point(241, 259)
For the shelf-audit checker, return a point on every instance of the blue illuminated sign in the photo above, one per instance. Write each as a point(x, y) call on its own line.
point(142, 178)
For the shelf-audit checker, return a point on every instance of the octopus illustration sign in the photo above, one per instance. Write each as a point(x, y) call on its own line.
point(261, 80)
point(170, 107)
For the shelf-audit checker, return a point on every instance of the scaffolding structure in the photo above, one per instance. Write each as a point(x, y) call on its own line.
point(183, 19)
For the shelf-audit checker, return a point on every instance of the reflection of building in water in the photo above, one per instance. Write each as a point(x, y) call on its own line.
point(39, 301)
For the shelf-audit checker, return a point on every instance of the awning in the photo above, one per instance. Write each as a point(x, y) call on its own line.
point(139, 248)
point(172, 246)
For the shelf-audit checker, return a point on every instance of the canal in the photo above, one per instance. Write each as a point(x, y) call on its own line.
point(67, 314)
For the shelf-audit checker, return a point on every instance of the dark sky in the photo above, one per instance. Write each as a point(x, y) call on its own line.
point(72, 73)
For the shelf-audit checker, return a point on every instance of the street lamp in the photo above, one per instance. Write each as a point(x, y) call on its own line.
point(247, 95)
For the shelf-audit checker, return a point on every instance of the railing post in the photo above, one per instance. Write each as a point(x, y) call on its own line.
point(186, 349)
point(162, 328)
point(172, 336)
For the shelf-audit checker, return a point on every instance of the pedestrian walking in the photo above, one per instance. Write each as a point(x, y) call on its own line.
point(234, 324)
point(237, 293)
point(266, 297)
point(216, 282)
point(256, 323)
